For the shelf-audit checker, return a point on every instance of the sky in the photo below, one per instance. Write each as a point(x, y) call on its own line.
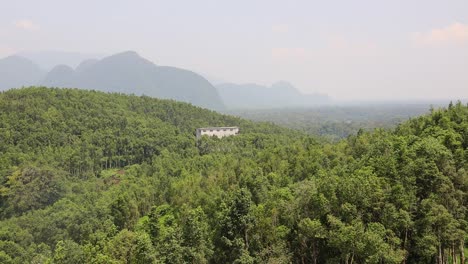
point(350, 50)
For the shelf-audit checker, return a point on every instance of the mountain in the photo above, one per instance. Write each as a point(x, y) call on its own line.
point(17, 71)
point(254, 96)
point(60, 76)
point(127, 72)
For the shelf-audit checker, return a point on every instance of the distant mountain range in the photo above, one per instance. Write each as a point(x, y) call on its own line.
point(47, 59)
point(124, 72)
point(127, 72)
point(254, 96)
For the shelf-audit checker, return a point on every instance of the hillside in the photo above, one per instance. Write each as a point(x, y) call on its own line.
point(60, 116)
point(254, 96)
point(91, 177)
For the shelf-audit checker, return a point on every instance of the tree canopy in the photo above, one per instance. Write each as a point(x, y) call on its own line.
point(92, 177)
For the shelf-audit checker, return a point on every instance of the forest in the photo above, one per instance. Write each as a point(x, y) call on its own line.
point(94, 177)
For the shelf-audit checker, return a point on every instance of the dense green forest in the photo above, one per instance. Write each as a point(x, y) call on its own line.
point(91, 177)
point(337, 122)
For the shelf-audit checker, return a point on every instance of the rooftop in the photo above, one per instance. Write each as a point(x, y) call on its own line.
point(213, 128)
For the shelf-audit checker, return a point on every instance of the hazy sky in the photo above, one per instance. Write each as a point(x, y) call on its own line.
point(359, 49)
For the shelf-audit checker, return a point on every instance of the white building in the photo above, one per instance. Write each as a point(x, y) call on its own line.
point(217, 131)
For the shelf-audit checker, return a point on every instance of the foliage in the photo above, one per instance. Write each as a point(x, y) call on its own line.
point(89, 177)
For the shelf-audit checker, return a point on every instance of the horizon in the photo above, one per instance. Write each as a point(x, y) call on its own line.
point(40, 59)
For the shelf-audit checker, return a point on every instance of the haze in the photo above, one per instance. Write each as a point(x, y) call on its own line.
point(350, 50)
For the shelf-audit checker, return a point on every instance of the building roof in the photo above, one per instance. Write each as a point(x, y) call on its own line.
point(214, 128)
